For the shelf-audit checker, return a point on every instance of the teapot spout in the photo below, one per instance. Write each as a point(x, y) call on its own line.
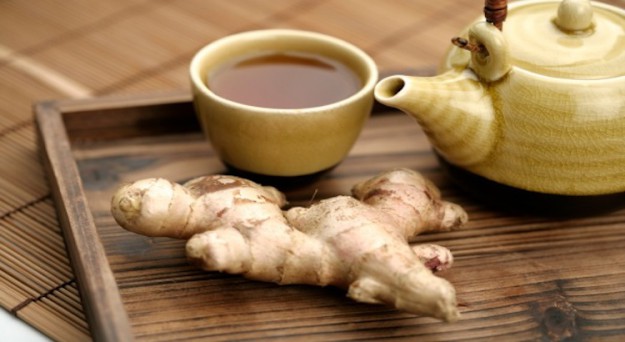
point(454, 109)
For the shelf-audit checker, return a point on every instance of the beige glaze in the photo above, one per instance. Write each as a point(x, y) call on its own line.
point(281, 142)
point(530, 112)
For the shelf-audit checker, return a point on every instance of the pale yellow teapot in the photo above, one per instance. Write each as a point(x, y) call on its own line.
point(538, 105)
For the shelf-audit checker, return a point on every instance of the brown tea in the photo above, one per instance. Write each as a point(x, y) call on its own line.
point(285, 81)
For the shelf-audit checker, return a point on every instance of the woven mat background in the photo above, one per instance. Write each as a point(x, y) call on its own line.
point(81, 48)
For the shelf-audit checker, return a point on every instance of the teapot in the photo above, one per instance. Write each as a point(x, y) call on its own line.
point(533, 106)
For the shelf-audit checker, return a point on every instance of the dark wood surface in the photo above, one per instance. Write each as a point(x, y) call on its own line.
point(519, 267)
point(518, 277)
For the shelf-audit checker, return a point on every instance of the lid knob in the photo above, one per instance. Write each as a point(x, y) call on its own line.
point(574, 15)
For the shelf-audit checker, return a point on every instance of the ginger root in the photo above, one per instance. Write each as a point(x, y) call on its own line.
point(358, 243)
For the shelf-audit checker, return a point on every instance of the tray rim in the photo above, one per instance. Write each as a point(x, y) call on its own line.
point(106, 315)
point(108, 319)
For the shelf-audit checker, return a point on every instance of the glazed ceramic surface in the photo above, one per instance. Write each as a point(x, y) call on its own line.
point(282, 142)
point(540, 107)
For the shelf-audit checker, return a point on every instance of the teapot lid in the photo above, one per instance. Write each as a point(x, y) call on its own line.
point(573, 39)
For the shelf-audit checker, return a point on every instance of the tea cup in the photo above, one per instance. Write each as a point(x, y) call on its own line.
point(271, 141)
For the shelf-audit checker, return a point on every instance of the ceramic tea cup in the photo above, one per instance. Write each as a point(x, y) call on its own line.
point(296, 129)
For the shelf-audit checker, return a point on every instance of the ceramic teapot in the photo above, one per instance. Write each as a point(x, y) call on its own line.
point(537, 104)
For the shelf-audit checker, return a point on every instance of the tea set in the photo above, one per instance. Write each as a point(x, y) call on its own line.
point(529, 100)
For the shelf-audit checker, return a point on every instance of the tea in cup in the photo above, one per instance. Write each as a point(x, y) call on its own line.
point(282, 102)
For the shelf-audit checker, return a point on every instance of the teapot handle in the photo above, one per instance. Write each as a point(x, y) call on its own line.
point(490, 60)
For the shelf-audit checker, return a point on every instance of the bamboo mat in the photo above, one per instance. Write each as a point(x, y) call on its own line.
point(81, 48)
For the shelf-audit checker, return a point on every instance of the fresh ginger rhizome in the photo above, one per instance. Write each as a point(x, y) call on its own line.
point(359, 242)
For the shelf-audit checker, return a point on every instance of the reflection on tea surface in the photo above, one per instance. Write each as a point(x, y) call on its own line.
point(285, 81)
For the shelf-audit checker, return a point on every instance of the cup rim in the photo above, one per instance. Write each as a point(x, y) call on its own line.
point(199, 84)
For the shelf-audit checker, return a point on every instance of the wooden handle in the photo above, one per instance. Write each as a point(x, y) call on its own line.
point(495, 12)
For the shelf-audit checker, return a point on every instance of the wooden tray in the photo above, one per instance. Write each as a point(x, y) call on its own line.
point(518, 277)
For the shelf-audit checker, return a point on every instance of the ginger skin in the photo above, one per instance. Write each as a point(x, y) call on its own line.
point(358, 243)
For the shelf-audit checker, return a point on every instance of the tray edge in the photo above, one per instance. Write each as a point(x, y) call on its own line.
point(106, 315)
